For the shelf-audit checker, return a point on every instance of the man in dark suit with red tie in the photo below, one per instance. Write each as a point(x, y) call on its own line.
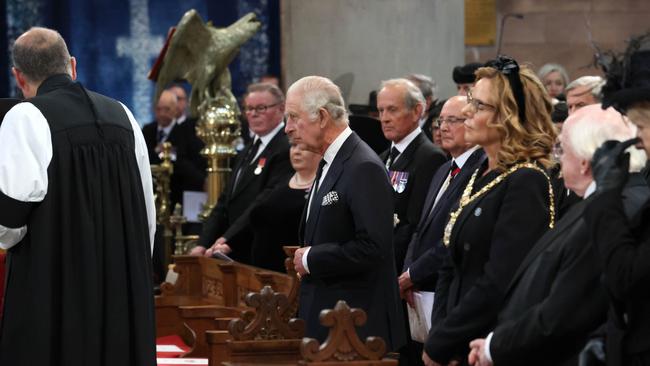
point(425, 250)
point(347, 229)
point(259, 168)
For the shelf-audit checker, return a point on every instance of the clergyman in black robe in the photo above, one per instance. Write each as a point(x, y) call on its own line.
point(77, 218)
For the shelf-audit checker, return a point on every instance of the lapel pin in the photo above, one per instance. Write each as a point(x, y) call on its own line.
point(478, 212)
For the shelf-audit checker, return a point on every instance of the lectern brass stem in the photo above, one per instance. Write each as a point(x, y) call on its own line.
point(218, 127)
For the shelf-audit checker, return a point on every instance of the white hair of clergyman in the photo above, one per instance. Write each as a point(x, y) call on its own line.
point(319, 92)
point(593, 83)
point(413, 95)
point(588, 131)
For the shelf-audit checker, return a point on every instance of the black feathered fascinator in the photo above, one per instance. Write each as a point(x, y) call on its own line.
point(627, 74)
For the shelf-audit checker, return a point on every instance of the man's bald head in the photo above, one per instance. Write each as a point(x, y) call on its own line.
point(452, 128)
point(165, 110)
point(40, 53)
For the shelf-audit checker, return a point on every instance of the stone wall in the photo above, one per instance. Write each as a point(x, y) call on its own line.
point(560, 30)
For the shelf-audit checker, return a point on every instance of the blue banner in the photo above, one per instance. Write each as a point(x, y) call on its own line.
point(116, 42)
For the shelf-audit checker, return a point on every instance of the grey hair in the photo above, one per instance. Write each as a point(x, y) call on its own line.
point(319, 92)
point(413, 95)
point(589, 132)
point(41, 54)
point(549, 68)
point(266, 87)
point(427, 85)
point(594, 83)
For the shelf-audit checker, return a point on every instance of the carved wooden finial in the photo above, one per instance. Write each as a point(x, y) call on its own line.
point(294, 294)
point(342, 343)
point(267, 322)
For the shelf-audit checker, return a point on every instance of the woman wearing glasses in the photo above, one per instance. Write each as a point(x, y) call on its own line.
point(506, 206)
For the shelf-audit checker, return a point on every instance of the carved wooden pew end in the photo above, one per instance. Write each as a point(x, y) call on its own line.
point(261, 336)
point(343, 346)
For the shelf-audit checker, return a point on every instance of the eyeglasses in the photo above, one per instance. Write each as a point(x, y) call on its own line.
point(478, 105)
point(259, 108)
point(449, 120)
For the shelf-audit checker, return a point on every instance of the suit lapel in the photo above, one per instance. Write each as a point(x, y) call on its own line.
point(436, 184)
point(248, 172)
point(549, 237)
point(333, 174)
point(407, 155)
point(470, 207)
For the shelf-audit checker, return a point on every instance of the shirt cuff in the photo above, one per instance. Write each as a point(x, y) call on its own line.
point(304, 259)
point(486, 347)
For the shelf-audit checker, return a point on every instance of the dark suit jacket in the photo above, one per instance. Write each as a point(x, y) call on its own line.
point(229, 218)
point(425, 250)
point(351, 256)
point(624, 249)
point(488, 242)
point(432, 114)
point(421, 159)
point(189, 167)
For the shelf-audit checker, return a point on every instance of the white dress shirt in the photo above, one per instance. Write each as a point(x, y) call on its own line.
point(329, 156)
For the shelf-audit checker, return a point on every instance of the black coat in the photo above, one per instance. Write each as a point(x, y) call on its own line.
point(229, 218)
point(189, 166)
point(420, 160)
point(491, 237)
point(426, 251)
point(351, 256)
point(624, 250)
point(561, 272)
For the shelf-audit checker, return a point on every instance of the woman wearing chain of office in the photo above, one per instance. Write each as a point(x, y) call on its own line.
point(506, 206)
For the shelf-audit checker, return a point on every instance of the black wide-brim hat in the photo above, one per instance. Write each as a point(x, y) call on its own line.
point(628, 82)
point(465, 74)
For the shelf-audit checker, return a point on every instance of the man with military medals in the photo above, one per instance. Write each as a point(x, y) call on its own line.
point(411, 162)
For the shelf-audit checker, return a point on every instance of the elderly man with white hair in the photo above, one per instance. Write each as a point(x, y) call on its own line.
point(347, 229)
point(583, 91)
point(556, 297)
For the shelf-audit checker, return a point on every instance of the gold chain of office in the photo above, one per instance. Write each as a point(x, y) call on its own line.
point(468, 197)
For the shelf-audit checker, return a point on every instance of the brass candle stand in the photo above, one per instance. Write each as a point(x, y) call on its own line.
point(161, 174)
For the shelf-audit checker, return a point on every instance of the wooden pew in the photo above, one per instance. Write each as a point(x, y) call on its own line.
point(207, 295)
point(343, 346)
point(247, 345)
point(261, 335)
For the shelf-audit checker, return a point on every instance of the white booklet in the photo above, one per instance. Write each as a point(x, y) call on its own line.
point(420, 316)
